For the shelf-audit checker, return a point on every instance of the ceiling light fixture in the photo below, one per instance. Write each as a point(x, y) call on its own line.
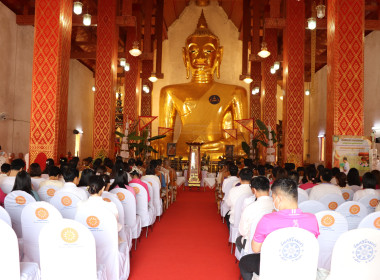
point(255, 90)
point(93, 88)
point(311, 23)
point(321, 11)
point(273, 70)
point(135, 51)
point(78, 7)
point(127, 67)
point(87, 19)
point(248, 79)
point(307, 92)
point(264, 53)
point(122, 62)
point(146, 89)
point(276, 65)
point(153, 78)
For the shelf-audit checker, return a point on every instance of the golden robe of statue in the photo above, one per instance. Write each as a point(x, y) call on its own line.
point(205, 107)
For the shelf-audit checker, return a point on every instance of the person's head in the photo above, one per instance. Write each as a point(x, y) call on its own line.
point(63, 167)
point(120, 180)
point(369, 181)
point(85, 177)
point(233, 170)
point(74, 162)
point(293, 175)
point(108, 163)
point(62, 160)
point(166, 163)
point(54, 172)
point(377, 175)
point(320, 168)
point(101, 170)
point(23, 182)
point(261, 170)
point(48, 164)
point(260, 185)
point(35, 170)
point(326, 175)
point(290, 166)
point(139, 163)
point(344, 159)
point(248, 162)
point(17, 164)
point(151, 170)
point(131, 162)
point(71, 175)
point(86, 161)
point(341, 178)
point(279, 173)
point(159, 162)
point(245, 175)
point(135, 172)
point(311, 174)
point(153, 163)
point(96, 185)
point(353, 177)
point(97, 162)
point(284, 194)
point(300, 170)
point(5, 168)
point(335, 171)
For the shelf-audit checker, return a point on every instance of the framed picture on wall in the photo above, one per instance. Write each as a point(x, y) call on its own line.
point(171, 149)
point(230, 151)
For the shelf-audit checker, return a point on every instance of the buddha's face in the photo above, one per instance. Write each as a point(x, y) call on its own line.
point(203, 52)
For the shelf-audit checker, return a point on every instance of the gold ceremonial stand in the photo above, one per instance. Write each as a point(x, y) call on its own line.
point(194, 173)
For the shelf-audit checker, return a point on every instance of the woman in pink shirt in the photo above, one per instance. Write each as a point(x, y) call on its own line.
point(121, 181)
point(311, 174)
point(136, 175)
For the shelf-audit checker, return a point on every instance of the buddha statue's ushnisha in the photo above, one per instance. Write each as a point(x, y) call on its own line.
point(204, 106)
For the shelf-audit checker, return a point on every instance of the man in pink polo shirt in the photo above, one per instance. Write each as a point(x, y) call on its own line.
point(287, 214)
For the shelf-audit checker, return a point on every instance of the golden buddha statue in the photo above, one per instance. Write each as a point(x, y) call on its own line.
point(204, 106)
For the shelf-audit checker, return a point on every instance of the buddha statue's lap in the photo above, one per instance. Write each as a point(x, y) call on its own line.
point(204, 106)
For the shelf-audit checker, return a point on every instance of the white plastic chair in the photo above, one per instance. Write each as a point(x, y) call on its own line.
point(34, 217)
point(371, 221)
point(66, 203)
point(302, 196)
point(10, 266)
point(312, 206)
point(356, 255)
point(131, 219)
point(46, 193)
point(142, 209)
point(354, 212)
point(370, 201)
point(103, 226)
point(70, 243)
point(157, 201)
point(151, 202)
point(332, 200)
point(289, 253)
point(332, 224)
point(348, 194)
point(234, 228)
point(14, 203)
point(5, 216)
point(126, 232)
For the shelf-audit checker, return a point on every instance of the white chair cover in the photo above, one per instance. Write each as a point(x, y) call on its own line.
point(309, 190)
point(5, 216)
point(10, 266)
point(224, 208)
point(131, 219)
point(151, 194)
point(312, 206)
point(332, 200)
point(234, 228)
point(34, 217)
point(370, 201)
point(67, 251)
point(46, 192)
point(289, 253)
point(147, 214)
point(157, 201)
point(302, 195)
point(348, 194)
point(125, 233)
point(85, 190)
point(14, 203)
point(331, 225)
point(356, 255)
point(354, 212)
point(371, 221)
point(66, 203)
point(103, 226)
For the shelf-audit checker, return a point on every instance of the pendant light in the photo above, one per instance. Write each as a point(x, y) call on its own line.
point(78, 7)
point(135, 51)
point(87, 19)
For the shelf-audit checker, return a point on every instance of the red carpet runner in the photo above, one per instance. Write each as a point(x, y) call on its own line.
point(190, 242)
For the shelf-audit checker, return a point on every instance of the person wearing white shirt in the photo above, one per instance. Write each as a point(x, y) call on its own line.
point(253, 212)
point(318, 191)
point(353, 180)
point(71, 177)
point(5, 170)
point(245, 178)
point(369, 185)
point(346, 166)
point(53, 180)
point(7, 183)
point(35, 174)
point(228, 184)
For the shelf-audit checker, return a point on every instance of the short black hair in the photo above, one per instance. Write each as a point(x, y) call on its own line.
point(70, 174)
point(287, 186)
point(233, 170)
point(353, 178)
point(5, 168)
point(131, 161)
point(261, 170)
point(260, 183)
point(54, 171)
point(85, 176)
point(139, 162)
point(35, 170)
point(108, 163)
point(245, 174)
point(289, 166)
point(95, 184)
point(326, 174)
point(248, 162)
point(335, 171)
point(369, 181)
point(17, 164)
point(279, 173)
point(294, 176)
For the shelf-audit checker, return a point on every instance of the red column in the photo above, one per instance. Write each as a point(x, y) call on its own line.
point(51, 60)
point(270, 81)
point(146, 98)
point(293, 77)
point(345, 66)
point(105, 79)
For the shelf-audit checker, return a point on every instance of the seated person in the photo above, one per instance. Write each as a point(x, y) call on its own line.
point(54, 173)
point(254, 211)
point(287, 214)
point(369, 185)
point(85, 177)
point(325, 187)
point(7, 183)
point(5, 170)
point(71, 177)
point(310, 175)
point(35, 174)
point(341, 180)
point(24, 183)
point(245, 178)
point(227, 185)
point(353, 180)
point(136, 175)
point(335, 171)
point(121, 181)
point(294, 176)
